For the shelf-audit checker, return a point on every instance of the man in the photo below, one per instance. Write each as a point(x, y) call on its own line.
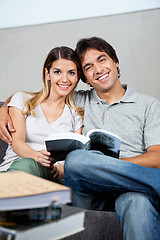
point(132, 181)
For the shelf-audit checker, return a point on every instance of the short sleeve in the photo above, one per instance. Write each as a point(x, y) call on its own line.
point(77, 121)
point(18, 100)
point(152, 125)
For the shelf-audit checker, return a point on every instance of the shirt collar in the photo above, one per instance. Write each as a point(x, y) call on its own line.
point(129, 96)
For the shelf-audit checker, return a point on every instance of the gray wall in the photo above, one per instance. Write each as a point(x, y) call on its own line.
point(135, 36)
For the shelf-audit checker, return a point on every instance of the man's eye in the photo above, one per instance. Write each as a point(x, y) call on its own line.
point(88, 68)
point(102, 59)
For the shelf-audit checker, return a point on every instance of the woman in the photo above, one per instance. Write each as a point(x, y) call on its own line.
point(36, 115)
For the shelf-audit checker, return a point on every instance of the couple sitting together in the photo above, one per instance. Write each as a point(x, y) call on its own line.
point(131, 182)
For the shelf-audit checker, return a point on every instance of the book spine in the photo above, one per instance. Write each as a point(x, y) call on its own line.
point(7, 234)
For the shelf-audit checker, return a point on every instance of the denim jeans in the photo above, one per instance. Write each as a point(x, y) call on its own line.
point(94, 177)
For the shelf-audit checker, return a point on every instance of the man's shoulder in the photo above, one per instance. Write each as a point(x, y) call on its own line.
point(81, 96)
point(84, 93)
point(143, 98)
point(148, 104)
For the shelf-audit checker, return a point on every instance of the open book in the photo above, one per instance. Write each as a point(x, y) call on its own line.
point(59, 145)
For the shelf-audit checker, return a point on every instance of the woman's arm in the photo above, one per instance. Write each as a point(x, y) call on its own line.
point(18, 143)
point(79, 130)
point(6, 124)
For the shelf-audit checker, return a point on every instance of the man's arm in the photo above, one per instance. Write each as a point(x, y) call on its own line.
point(6, 125)
point(149, 159)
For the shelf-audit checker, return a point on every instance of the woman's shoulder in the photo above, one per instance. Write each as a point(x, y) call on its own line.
point(70, 112)
point(22, 95)
point(18, 99)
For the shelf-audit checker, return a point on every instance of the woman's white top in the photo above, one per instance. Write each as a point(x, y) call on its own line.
point(38, 128)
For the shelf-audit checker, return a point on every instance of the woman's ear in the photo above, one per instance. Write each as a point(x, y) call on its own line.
point(46, 74)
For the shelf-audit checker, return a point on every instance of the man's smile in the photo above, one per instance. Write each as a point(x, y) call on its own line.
point(102, 77)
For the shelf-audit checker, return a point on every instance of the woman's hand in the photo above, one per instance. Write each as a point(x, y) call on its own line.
point(58, 171)
point(43, 157)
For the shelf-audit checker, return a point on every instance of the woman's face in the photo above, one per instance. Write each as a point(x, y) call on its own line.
point(63, 76)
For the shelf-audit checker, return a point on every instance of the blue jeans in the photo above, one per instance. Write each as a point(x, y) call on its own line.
point(94, 178)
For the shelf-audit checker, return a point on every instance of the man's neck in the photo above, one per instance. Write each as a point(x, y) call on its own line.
point(112, 95)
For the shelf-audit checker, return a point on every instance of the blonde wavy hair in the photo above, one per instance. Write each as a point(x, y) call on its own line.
point(55, 54)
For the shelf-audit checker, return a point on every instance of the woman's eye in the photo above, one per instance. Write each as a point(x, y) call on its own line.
point(56, 72)
point(72, 73)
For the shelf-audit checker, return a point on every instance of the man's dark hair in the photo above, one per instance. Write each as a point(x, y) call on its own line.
point(99, 44)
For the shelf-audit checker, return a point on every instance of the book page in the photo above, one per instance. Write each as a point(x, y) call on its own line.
point(70, 135)
point(19, 184)
point(103, 132)
point(104, 141)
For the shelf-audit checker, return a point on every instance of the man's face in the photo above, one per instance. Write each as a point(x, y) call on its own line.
point(100, 70)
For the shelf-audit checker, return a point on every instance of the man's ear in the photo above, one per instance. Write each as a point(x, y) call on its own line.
point(117, 64)
point(87, 81)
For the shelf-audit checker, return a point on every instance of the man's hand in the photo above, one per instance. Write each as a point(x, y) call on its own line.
point(6, 126)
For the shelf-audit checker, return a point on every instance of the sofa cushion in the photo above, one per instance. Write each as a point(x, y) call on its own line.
point(3, 145)
point(99, 225)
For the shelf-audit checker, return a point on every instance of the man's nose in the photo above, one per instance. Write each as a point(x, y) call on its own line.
point(98, 68)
